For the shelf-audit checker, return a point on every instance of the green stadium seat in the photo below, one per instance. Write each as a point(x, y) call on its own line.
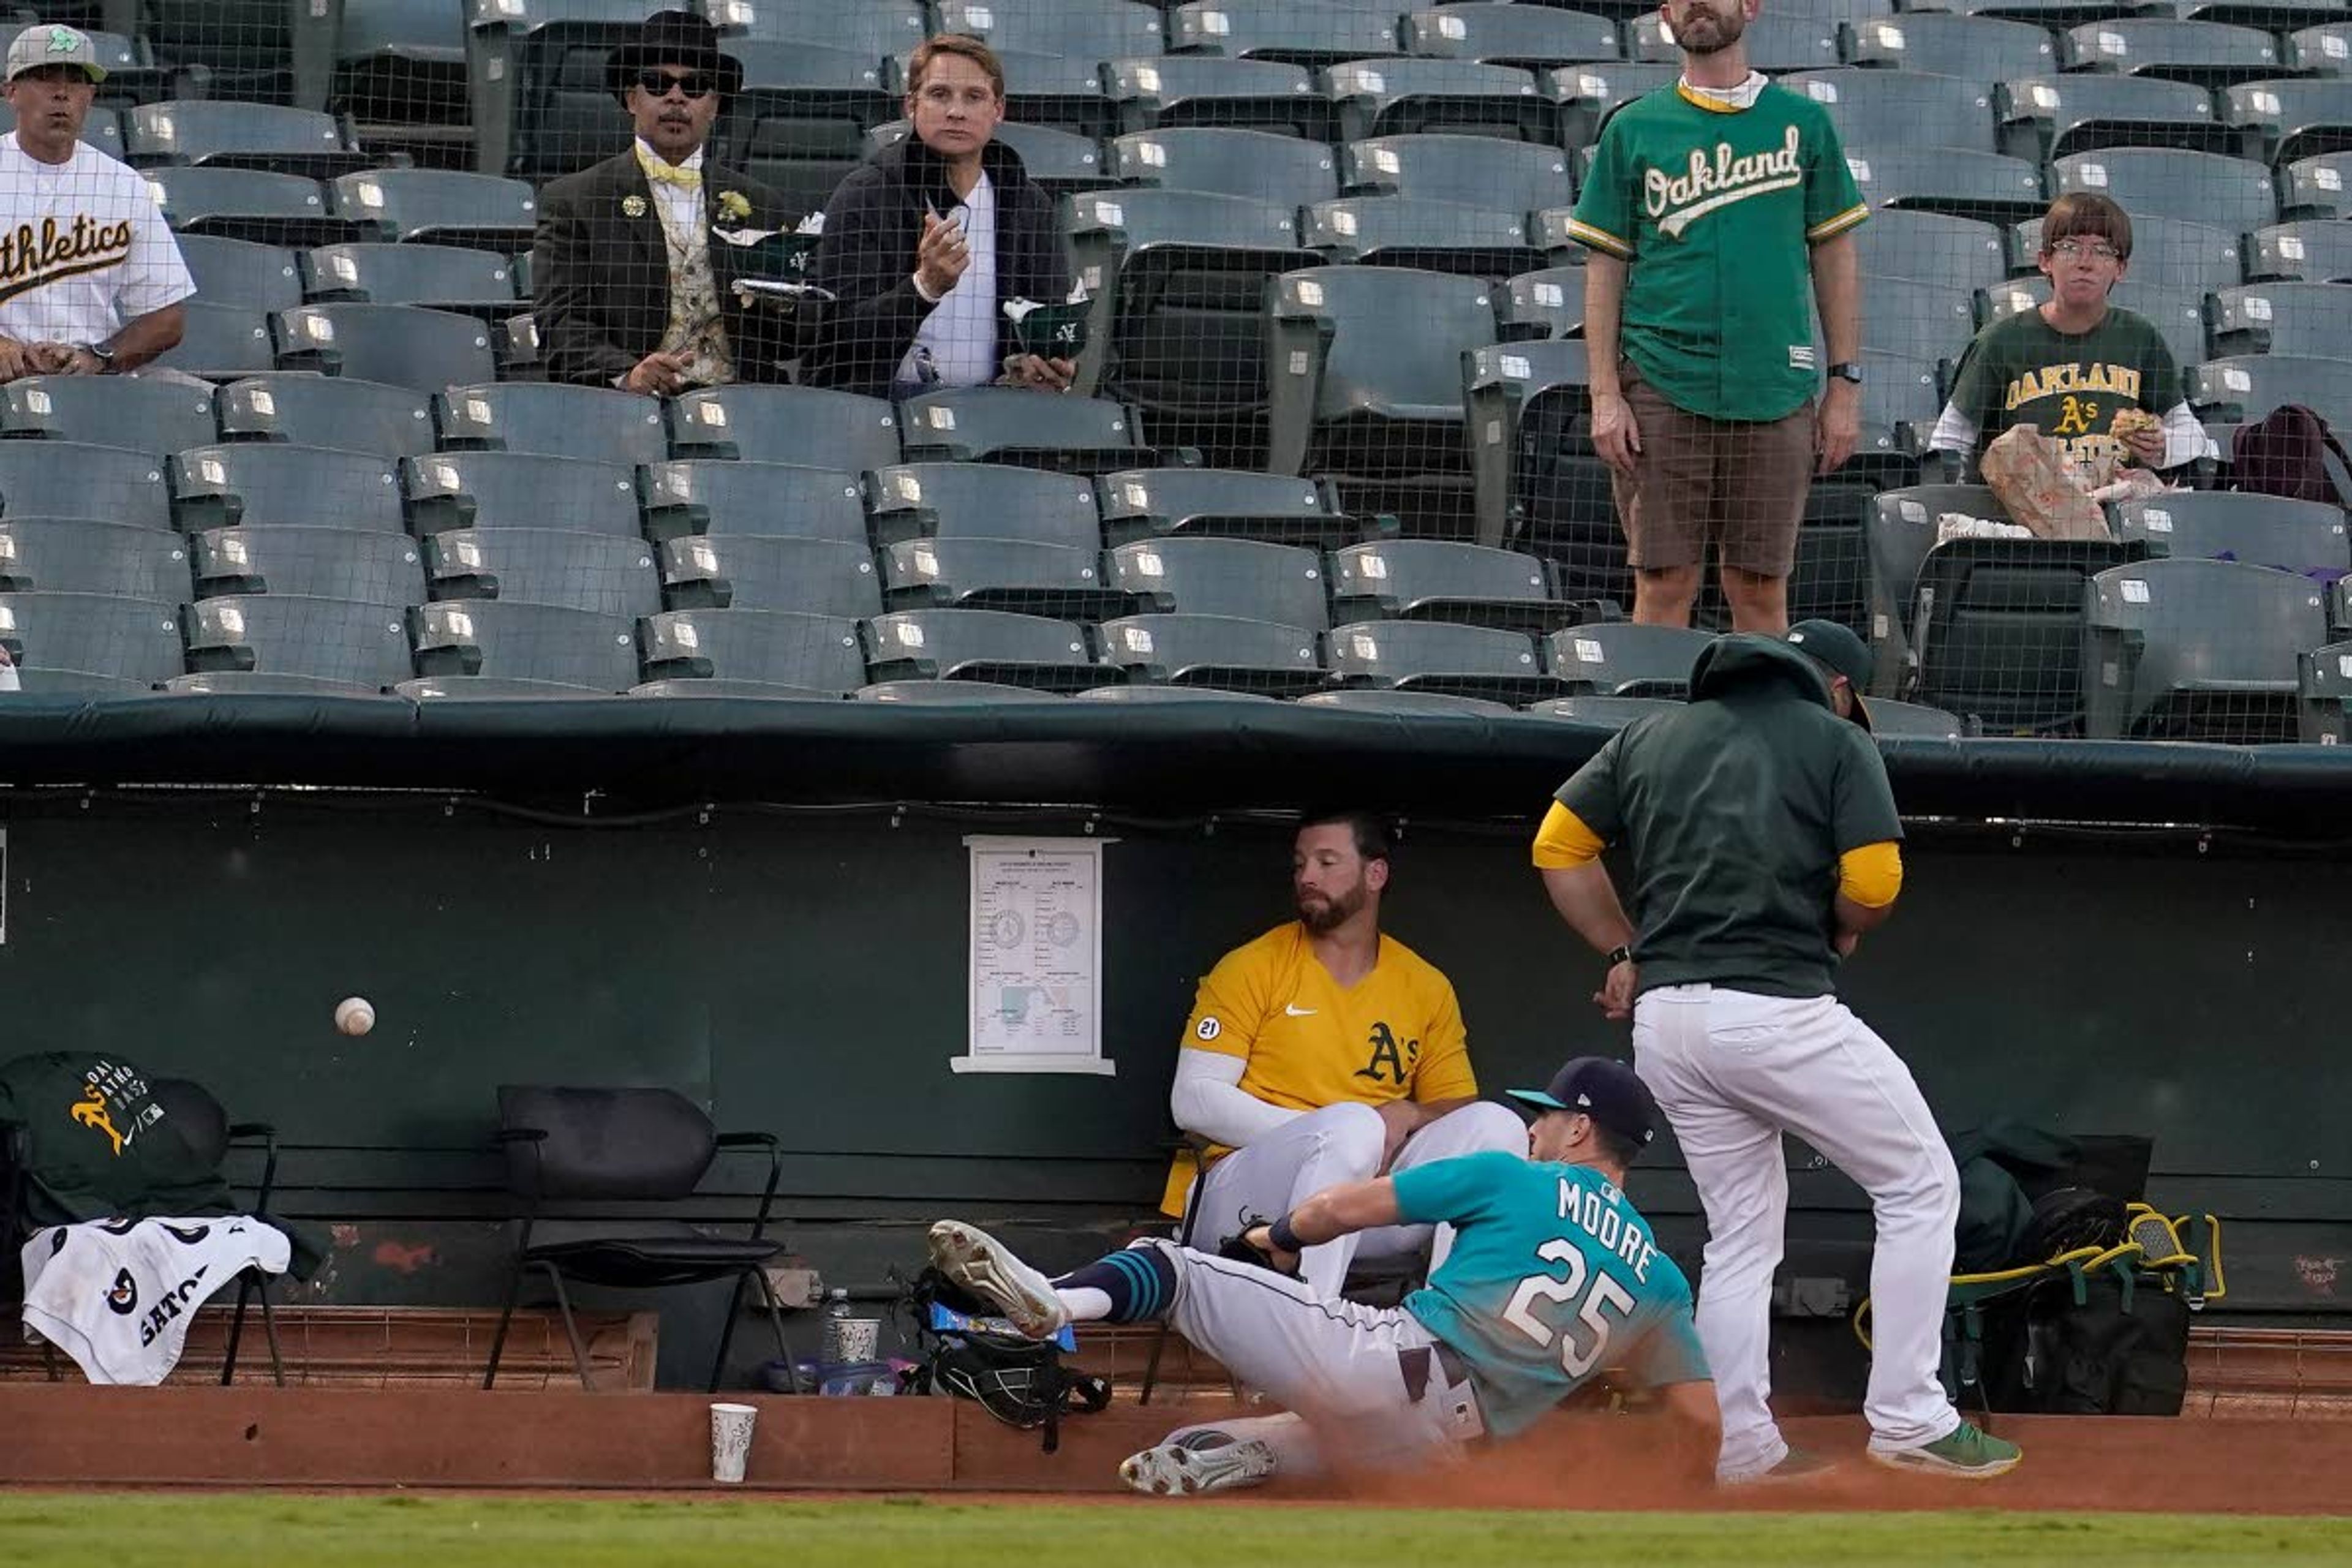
point(1437, 656)
point(982, 645)
point(760, 691)
point(811, 653)
point(1473, 170)
point(1244, 578)
point(1983, 49)
point(878, 29)
point(150, 415)
point(2283, 121)
point(439, 206)
point(79, 479)
point(1582, 95)
point(2314, 187)
point(2166, 253)
point(2322, 50)
point(2197, 651)
point(2307, 319)
point(347, 412)
point(2324, 694)
point(958, 693)
point(1010, 425)
point(1946, 180)
point(519, 489)
point(1997, 631)
point(2054, 116)
point(1303, 32)
point(2231, 194)
point(103, 642)
point(1164, 93)
point(248, 682)
point(1260, 165)
point(1619, 658)
point(360, 565)
point(980, 500)
point(1439, 579)
point(517, 641)
point(2241, 388)
point(1130, 696)
point(1533, 36)
point(292, 634)
point(1525, 403)
point(1016, 575)
point(1611, 712)
point(270, 484)
point(247, 204)
point(1429, 236)
point(1086, 29)
point(2300, 536)
point(439, 277)
point(1921, 320)
point(1159, 503)
point(1931, 248)
point(1877, 108)
point(536, 84)
point(804, 425)
point(218, 133)
point(593, 423)
point(1413, 705)
point(1382, 97)
point(78, 555)
point(220, 342)
point(258, 278)
point(593, 572)
point(777, 500)
point(399, 63)
point(1225, 652)
point(739, 571)
point(1548, 303)
point(1899, 531)
point(1910, 720)
point(429, 350)
point(2211, 54)
point(2316, 250)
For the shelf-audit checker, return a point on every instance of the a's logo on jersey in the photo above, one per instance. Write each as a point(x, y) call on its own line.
point(1208, 1030)
point(1391, 1060)
point(1716, 178)
point(124, 1298)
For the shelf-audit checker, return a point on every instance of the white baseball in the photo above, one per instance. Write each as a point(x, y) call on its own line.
point(354, 1015)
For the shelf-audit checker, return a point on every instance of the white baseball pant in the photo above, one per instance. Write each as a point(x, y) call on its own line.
point(1731, 1071)
point(1338, 1143)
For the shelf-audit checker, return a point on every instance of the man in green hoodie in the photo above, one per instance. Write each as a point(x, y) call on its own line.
point(1763, 841)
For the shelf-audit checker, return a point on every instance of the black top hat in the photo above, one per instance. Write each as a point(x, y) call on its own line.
point(672, 39)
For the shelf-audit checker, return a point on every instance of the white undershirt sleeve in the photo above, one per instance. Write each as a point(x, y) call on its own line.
point(1208, 1099)
point(1955, 432)
point(2184, 440)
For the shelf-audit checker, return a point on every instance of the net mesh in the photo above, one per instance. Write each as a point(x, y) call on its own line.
point(1451, 359)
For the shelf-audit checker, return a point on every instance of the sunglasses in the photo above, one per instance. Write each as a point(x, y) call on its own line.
point(657, 83)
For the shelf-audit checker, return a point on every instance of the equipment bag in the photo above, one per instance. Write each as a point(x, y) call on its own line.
point(969, 1353)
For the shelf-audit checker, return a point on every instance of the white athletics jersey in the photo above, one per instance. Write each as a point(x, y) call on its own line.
point(83, 247)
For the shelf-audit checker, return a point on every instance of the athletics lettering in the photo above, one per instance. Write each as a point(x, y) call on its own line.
point(26, 254)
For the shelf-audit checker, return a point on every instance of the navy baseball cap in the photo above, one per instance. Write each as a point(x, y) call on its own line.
point(1608, 1091)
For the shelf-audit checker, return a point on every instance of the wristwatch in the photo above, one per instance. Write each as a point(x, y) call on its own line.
point(102, 355)
point(1847, 370)
point(1619, 955)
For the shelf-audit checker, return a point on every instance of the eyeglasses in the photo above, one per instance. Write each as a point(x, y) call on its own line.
point(657, 83)
point(2097, 249)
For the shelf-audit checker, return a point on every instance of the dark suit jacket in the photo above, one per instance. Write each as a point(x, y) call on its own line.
point(600, 278)
point(866, 258)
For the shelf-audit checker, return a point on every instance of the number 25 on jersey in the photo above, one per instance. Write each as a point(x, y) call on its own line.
point(1589, 1295)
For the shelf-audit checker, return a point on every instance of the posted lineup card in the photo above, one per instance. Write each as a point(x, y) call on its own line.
point(1036, 956)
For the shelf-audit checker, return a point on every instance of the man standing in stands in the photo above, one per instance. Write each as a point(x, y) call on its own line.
point(90, 278)
point(923, 246)
point(1710, 208)
point(634, 259)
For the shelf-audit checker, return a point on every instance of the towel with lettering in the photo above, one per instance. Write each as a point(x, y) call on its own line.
point(117, 1295)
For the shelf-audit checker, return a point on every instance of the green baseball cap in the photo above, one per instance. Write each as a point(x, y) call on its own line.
point(1836, 649)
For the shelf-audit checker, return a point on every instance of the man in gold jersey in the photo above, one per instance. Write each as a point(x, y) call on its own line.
point(1327, 1052)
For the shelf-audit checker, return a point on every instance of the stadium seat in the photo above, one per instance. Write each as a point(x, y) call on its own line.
point(2239, 389)
point(2284, 120)
point(1021, 575)
point(735, 572)
point(345, 412)
point(1931, 248)
point(1924, 321)
point(406, 345)
point(1619, 658)
point(1899, 531)
point(1433, 236)
point(2045, 117)
point(1261, 165)
point(1524, 402)
point(220, 342)
point(1610, 712)
point(1176, 324)
point(519, 489)
point(258, 278)
point(813, 654)
point(1009, 424)
point(1439, 580)
point(982, 645)
point(980, 500)
point(247, 204)
point(878, 29)
point(1086, 29)
point(1910, 720)
point(244, 682)
point(2324, 690)
point(773, 500)
point(515, 641)
point(2282, 318)
point(2306, 537)
point(1244, 578)
point(1227, 653)
point(1584, 94)
point(292, 634)
point(79, 479)
point(1504, 35)
point(2314, 187)
point(1548, 303)
point(1148, 695)
point(216, 133)
point(798, 122)
point(1365, 369)
point(98, 642)
point(1996, 631)
point(1165, 92)
point(804, 425)
point(959, 693)
point(1302, 31)
point(360, 565)
point(1061, 162)
point(2316, 250)
point(439, 206)
point(1400, 98)
point(2166, 253)
point(2323, 50)
point(1415, 705)
point(1946, 180)
point(2197, 651)
point(2211, 54)
point(400, 68)
point(1160, 504)
point(441, 276)
point(593, 423)
point(2178, 314)
point(536, 84)
point(1982, 49)
point(78, 555)
point(593, 572)
point(244, 45)
point(1436, 655)
point(1468, 169)
point(1775, 43)
point(145, 415)
point(1896, 390)
point(1879, 109)
point(1830, 580)
point(2229, 194)
point(270, 484)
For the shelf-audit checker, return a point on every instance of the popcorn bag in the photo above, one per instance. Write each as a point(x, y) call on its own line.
point(2036, 485)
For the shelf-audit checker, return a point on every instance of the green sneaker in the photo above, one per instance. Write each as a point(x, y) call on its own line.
point(1966, 1454)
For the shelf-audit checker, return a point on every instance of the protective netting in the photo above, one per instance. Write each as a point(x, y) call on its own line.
point(1486, 355)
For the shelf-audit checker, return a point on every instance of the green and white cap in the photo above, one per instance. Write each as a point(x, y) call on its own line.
point(53, 44)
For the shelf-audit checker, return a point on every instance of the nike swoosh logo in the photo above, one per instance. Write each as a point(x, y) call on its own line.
point(1295, 1011)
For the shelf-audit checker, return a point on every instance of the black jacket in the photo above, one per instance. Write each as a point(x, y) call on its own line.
point(866, 258)
point(600, 277)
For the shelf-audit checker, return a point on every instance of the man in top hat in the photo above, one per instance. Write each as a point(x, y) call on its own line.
point(633, 261)
point(90, 278)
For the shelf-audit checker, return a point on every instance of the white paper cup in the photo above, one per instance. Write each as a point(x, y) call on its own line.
point(859, 1338)
point(730, 1440)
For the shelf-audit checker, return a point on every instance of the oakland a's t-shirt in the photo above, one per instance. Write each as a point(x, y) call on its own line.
point(1714, 209)
point(2069, 386)
point(83, 247)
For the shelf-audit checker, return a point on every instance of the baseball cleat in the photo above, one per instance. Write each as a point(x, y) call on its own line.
point(1208, 1461)
point(986, 1266)
point(1965, 1454)
point(1796, 1466)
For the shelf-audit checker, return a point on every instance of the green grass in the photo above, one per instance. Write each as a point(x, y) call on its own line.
point(197, 1530)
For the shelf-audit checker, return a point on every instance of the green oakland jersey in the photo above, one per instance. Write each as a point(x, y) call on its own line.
point(1714, 210)
point(2068, 385)
point(1554, 1278)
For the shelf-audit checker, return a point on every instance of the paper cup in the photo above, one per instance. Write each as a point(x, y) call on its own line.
point(730, 1440)
point(859, 1338)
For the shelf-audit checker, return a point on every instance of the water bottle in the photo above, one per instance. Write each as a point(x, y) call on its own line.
point(829, 1348)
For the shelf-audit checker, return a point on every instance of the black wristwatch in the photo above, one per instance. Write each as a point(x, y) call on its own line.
point(1847, 370)
point(102, 355)
point(1620, 954)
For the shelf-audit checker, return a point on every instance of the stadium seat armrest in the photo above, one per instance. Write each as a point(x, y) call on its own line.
point(747, 1141)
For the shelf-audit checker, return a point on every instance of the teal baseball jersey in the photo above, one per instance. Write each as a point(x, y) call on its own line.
point(1715, 211)
point(1554, 1278)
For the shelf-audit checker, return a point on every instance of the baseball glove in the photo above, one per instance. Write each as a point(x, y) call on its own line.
point(1239, 1249)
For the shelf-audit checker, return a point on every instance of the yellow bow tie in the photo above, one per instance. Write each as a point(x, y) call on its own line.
point(663, 173)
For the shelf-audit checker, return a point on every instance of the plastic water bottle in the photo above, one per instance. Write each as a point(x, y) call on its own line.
point(836, 1314)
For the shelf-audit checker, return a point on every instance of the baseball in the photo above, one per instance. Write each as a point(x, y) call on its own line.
point(354, 1015)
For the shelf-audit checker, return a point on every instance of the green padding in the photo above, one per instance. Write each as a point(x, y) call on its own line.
point(1174, 759)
